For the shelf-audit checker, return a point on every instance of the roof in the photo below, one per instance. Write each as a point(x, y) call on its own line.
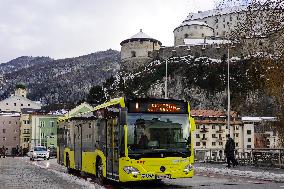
point(212, 113)
point(22, 99)
point(189, 23)
point(141, 36)
point(258, 119)
point(214, 12)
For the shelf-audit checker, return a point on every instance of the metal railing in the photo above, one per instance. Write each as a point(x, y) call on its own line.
point(245, 156)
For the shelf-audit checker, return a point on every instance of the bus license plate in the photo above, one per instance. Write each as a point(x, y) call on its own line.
point(167, 176)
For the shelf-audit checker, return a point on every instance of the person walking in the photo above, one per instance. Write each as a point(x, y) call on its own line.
point(230, 151)
point(3, 151)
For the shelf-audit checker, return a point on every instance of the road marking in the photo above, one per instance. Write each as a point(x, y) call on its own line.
point(281, 186)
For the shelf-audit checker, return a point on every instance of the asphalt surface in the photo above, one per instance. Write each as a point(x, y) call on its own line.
point(22, 173)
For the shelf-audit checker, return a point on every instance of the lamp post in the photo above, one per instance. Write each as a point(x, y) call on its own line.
point(228, 82)
point(166, 82)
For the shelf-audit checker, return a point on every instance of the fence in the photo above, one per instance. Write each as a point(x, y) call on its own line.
point(257, 157)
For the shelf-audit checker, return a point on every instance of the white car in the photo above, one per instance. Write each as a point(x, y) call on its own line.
point(38, 152)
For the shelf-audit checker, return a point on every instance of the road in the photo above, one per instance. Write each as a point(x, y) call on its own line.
point(21, 173)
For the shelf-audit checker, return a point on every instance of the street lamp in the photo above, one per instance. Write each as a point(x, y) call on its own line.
point(166, 82)
point(228, 82)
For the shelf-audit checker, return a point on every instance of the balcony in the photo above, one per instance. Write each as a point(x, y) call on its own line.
point(220, 130)
point(204, 130)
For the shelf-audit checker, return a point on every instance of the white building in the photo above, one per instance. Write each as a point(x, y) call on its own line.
point(264, 136)
point(209, 24)
point(18, 101)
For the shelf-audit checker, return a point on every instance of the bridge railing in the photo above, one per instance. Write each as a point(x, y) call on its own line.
point(245, 156)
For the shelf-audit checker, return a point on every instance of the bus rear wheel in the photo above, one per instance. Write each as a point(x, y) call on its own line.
point(99, 171)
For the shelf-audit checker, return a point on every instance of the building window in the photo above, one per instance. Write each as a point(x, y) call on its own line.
point(22, 105)
point(237, 127)
point(15, 104)
point(224, 20)
point(197, 127)
point(248, 146)
point(204, 143)
point(237, 134)
point(4, 130)
point(248, 132)
point(197, 143)
point(90, 125)
point(9, 122)
point(224, 32)
point(186, 35)
point(7, 103)
point(52, 123)
point(217, 20)
point(213, 126)
point(213, 143)
point(202, 34)
point(221, 143)
point(224, 26)
point(29, 105)
point(149, 53)
point(15, 130)
point(41, 124)
point(213, 135)
point(15, 138)
point(249, 139)
point(4, 138)
point(133, 54)
point(217, 33)
point(217, 26)
point(197, 136)
point(237, 144)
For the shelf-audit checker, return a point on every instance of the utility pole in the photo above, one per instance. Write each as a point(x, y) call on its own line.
point(166, 82)
point(229, 127)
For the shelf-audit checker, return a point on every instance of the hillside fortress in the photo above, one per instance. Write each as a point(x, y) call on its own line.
point(200, 34)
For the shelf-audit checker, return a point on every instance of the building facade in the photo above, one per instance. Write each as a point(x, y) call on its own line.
point(9, 130)
point(136, 50)
point(18, 101)
point(43, 130)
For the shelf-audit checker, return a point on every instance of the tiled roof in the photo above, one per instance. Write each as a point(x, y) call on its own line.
point(211, 113)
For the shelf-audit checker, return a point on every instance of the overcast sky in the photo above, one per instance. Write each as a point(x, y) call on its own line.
point(70, 28)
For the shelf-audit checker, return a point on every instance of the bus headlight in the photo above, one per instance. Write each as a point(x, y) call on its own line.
point(131, 170)
point(188, 168)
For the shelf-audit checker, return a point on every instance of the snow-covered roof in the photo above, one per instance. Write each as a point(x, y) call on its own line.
point(193, 42)
point(140, 36)
point(189, 23)
point(214, 12)
point(250, 119)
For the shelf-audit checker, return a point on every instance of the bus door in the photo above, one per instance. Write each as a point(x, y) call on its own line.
point(112, 149)
point(78, 146)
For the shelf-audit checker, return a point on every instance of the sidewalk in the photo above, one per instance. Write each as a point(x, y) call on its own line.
point(260, 173)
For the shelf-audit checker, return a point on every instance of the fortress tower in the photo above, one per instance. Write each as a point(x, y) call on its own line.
point(136, 51)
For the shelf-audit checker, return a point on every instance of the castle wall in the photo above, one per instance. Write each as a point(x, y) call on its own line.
point(141, 49)
point(193, 32)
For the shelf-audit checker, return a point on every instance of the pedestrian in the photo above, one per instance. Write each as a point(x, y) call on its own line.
point(21, 151)
point(3, 151)
point(230, 151)
point(17, 150)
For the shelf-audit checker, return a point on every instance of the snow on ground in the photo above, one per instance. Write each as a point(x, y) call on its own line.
point(69, 177)
point(260, 174)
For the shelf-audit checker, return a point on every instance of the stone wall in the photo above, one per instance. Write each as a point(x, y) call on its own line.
point(211, 51)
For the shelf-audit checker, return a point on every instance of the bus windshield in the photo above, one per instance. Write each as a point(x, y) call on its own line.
point(158, 135)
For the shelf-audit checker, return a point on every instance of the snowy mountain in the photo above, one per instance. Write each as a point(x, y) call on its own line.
point(59, 81)
point(202, 82)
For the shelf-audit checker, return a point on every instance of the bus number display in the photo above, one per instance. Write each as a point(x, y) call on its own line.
point(163, 108)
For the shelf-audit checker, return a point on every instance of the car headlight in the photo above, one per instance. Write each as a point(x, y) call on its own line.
point(131, 170)
point(188, 168)
point(34, 153)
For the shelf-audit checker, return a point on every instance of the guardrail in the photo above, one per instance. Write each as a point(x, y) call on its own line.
point(245, 156)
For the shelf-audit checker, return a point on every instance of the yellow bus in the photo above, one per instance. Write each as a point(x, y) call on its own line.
point(126, 140)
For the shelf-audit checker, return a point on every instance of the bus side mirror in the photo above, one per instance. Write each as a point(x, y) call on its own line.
point(192, 124)
point(123, 114)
